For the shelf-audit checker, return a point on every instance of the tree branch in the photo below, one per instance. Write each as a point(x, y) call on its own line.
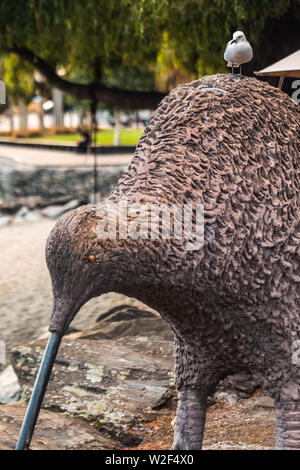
point(111, 96)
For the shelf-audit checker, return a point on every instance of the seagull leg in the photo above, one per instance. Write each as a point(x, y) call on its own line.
point(240, 70)
point(232, 69)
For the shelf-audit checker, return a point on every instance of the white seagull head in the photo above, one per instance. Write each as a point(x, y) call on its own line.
point(239, 36)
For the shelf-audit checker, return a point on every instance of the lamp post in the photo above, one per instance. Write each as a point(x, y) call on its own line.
point(94, 144)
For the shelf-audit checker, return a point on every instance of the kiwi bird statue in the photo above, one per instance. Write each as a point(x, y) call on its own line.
point(233, 304)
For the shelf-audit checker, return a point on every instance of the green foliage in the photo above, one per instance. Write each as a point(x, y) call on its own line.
point(106, 39)
point(199, 29)
point(18, 78)
point(79, 34)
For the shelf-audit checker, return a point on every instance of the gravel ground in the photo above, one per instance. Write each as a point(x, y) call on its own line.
point(229, 426)
point(25, 287)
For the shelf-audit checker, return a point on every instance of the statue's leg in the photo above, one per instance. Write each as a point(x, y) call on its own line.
point(288, 425)
point(190, 419)
point(195, 380)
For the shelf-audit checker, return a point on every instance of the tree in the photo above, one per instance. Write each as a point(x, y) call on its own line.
point(19, 80)
point(98, 36)
point(104, 36)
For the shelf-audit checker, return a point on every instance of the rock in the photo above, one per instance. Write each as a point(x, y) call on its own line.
point(12, 205)
point(230, 397)
point(46, 185)
point(52, 212)
point(21, 212)
point(54, 431)
point(113, 383)
point(4, 220)
point(32, 216)
point(9, 386)
point(56, 211)
point(265, 402)
point(237, 386)
point(126, 320)
point(24, 214)
point(71, 205)
point(118, 375)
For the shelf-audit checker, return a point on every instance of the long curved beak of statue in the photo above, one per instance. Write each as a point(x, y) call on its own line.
point(39, 391)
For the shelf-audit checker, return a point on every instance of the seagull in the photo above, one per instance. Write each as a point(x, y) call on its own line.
point(238, 51)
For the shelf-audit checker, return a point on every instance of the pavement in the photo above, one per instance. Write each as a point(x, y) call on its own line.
point(47, 158)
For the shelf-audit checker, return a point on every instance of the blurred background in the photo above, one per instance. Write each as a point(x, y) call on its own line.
point(59, 55)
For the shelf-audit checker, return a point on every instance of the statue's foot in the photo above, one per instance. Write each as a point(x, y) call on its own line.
point(288, 425)
point(190, 420)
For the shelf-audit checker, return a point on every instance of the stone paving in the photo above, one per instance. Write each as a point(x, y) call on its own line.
point(46, 158)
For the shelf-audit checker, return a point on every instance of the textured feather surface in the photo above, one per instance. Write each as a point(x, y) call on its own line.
point(234, 305)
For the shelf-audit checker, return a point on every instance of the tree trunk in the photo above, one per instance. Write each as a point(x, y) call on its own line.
point(112, 96)
point(41, 118)
point(11, 120)
point(23, 118)
point(57, 96)
point(80, 117)
point(117, 128)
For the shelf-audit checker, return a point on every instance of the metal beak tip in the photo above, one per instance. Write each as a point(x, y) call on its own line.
point(38, 392)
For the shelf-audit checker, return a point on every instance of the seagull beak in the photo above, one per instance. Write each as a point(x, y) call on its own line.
point(39, 391)
point(233, 41)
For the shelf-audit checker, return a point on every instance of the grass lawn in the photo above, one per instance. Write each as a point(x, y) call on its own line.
point(104, 137)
